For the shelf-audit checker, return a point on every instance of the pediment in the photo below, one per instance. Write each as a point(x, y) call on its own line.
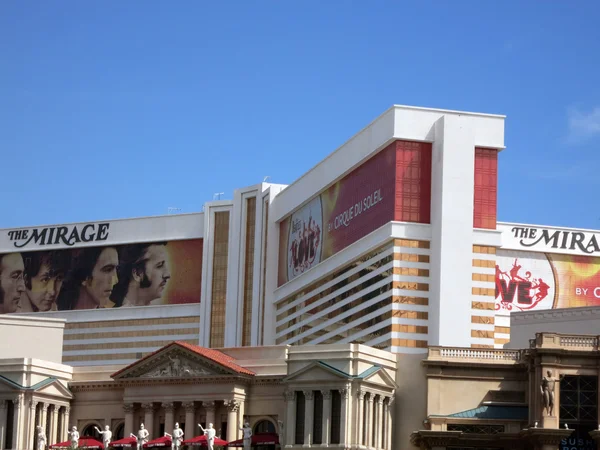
point(317, 371)
point(173, 362)
point(54, 389)
point(381, 378)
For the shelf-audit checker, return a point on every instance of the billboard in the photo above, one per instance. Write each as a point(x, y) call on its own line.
point(353, 207)
point(91, 277)
point(528, 281)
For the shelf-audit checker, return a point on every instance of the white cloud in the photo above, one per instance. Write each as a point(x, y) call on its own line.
point(583, 125)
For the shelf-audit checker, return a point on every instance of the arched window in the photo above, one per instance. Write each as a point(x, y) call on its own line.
point(264, 426)
point(90, 431)
point(119, 432)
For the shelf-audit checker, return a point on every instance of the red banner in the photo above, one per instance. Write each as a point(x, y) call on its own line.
point(353, 207)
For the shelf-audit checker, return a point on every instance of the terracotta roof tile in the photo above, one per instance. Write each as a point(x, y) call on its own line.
point(218, 357)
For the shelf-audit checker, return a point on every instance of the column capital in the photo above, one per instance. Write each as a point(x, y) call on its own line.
point(360, 394)
point(390, 400)
point(55, 410)
point(309, 395)
point(380, 399)
point(369, 397)
point(45, 407)
point(289, 396)
point(344, 393)
point(18, 401)
point(209, 405)
point(326, 394)
point(68, 410)
point(168, 407)
point(128, 408)
point(3, 404)
point(33, 404)
point(189, 407)
point(233, 406)
point(149, 407)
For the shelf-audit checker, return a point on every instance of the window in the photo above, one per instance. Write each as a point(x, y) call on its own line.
point(318, 419)
point(336, 416)
point(476, 428)
point(300, 409)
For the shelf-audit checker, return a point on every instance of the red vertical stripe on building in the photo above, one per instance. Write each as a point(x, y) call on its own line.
point(486, 188)
point(413, 182)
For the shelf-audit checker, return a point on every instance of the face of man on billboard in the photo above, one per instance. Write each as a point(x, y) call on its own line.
point(45, 287)
point(156, 273)
point(12, 284)
point(100, 284)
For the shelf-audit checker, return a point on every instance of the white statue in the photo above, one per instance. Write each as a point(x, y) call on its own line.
point(41, 436)
point(142, 437)
point(247, 435)
point(106, 435)
point(74, 437)
point(210, 434)
point(176, 437)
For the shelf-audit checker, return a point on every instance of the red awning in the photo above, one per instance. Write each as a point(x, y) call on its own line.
point(125, 442)
point(258, 439)
point(84, 442)
point(201, 440)
point(164, 441)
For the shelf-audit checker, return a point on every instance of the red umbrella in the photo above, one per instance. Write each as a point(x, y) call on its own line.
point(164, 441)
point(84, 442)
point(201, 440)
point(125, 442)
point(258, 439)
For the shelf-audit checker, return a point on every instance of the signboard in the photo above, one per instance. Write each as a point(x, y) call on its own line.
point(350, 209)
point(93, 234)
point(550, 240)
point(108, 276)
point(527, 281)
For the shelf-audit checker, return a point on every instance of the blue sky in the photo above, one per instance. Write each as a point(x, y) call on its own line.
point(116, 109)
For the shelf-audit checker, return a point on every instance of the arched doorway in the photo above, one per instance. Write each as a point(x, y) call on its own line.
point(264, 426)
point(119, 432)
point(90, 431)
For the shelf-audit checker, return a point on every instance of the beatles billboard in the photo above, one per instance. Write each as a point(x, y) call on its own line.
point(528, 281)
point(83, 266)
point(350, 209)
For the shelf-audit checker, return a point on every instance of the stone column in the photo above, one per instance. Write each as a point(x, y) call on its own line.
point(31, 431)
point(326, 436)
point(344, 397)
point(389, 433)
point(17, 440)
point(290, 417)
point(232, 423)
point(379, 423)
point(210, 413)
point(149, 419)
point(369, 421)
point(309, 417)
point(3, 411)
point(169, 416)
point(128, 429)
point(65, 425)
point(52, 438)
point(190, 420)
point(360, 416)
